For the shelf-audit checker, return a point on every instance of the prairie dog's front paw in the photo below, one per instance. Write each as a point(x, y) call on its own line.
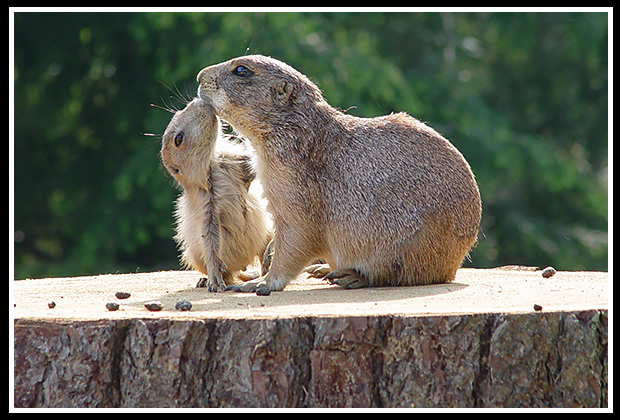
point(263, 286)
point(215, 281)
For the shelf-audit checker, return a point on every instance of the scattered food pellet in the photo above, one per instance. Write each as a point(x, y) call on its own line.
point(51, 304)
point(154, 306)
point(548, 272)
point(112, 306)
point(537, 307)
point(122, 295)
point(183, 305)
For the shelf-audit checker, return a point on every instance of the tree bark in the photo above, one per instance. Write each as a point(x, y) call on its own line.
point(494, 360)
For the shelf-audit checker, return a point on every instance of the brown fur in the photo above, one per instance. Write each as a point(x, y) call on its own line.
point(221, 224)
point(385, 201)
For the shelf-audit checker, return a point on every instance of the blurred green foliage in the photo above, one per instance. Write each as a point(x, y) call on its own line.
point(524, 96)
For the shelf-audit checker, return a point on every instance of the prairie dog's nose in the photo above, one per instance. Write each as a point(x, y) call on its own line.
point(203, 74)
point(200, 76)
point(206, 82)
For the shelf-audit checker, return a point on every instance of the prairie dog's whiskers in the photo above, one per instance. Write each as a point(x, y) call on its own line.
point(170, 110)
point(178, 95)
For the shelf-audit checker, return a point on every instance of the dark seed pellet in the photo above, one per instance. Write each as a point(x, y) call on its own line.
point(154, 306)
point(122, 295)
point(112, 306)
point(183, 305)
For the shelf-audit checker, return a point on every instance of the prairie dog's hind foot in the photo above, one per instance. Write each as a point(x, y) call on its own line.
point(348, 278)
point(318, 271)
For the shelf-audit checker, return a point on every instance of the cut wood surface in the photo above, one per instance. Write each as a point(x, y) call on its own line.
point(473, 291)
point(477, 342)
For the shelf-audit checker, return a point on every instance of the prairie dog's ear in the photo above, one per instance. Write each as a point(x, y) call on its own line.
point(283, 90)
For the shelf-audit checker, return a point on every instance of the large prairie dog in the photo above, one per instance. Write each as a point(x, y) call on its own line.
point(385, 201)
point(221, 224)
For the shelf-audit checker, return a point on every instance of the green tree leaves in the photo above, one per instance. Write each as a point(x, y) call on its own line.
point(522, 95)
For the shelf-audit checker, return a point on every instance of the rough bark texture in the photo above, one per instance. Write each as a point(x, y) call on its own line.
point(537, 359)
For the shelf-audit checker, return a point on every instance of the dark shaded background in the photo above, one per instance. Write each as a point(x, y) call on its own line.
point(524, 96)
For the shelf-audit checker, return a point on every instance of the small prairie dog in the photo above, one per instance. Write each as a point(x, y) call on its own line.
point(221, 224)
point(385, 201)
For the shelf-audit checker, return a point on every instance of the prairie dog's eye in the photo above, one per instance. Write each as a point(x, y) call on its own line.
point(242, 71)
point(178, 139)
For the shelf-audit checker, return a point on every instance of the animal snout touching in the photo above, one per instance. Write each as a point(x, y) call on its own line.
point(206, 80)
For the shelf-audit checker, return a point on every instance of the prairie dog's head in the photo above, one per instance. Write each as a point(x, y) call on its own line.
point(255, 93)
point(188, 142)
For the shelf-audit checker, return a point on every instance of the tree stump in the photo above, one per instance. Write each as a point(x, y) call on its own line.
point(477, 342)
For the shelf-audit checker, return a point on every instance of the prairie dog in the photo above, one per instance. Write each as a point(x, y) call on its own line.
point(221, 224)
point(385, 201)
